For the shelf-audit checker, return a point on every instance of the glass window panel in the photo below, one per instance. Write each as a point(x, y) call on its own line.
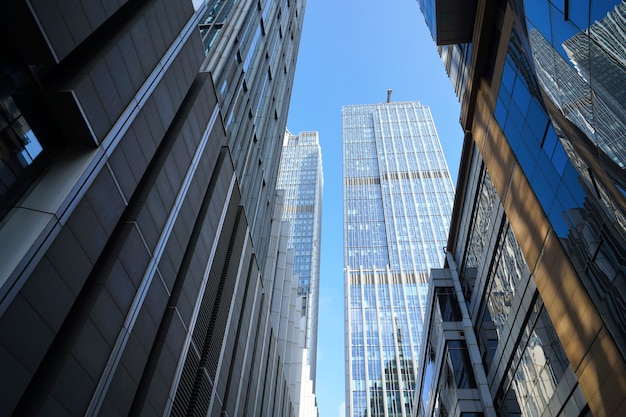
point(20, 150)
point(578, 13)
point(600, 8)
point(562, 30)
point(558, 216)
point(512, 134)
point(559, 158)
point(536, 117)
point(538, 13)
point(508, 76)
point(448, 304)
point(461, 364)
point(521, 96)
point(550, 140)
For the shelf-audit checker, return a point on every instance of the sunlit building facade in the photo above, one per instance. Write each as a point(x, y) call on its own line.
point(397, 199)
point(140, 264)
point(535, 258)
point(301, 178)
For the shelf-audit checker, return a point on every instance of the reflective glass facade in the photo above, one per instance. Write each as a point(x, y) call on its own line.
point(486, 326)
point(560, 105)
point(301, 178)
point(539, 225)
point(397, 201)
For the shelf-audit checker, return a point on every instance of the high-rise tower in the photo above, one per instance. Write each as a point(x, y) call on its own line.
point(139, 150)
point(301, 177)
point(538, 233)
point(397, 196)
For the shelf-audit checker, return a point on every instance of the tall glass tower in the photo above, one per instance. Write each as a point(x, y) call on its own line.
point(301, 177)
point(398, 199)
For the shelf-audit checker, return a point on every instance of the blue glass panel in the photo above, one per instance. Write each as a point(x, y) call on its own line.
point(536, 117)
point(600, 8)
point(578, 12)
point(557, 218)
point(572, 181)
point(508, 75)
point(527, 157)
point(565, 197)
point(550, 140)
point(505, 97)
point(562, 30)
point(560, 5)
point(500, 112)
point(559, 158)
point(549, 172)
point(512, 134)
point(521, 96)
point(502, 107)
point(529, 136)
point(538, 13)
point(515, 116)
point(543, 190)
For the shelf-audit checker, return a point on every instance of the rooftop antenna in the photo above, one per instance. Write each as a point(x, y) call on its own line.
point(389, 95)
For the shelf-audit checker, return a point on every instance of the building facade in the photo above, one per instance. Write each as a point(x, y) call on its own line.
point(301, 178)
point(139, 154)
point(397, 201)
point(538, 231)
point(288, 323)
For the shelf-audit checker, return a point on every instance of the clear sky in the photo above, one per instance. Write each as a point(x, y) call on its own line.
point(351, 52)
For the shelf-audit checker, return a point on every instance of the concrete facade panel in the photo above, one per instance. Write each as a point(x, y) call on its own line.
point(47, 291)
point(128, 213)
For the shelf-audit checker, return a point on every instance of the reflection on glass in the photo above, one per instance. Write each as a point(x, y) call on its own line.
point(19, 147)
point(575, 73)
point(448, 304)
point(487, 202)
point(538, 365)
point(428, 379)
point(508, 271)
point(596, 111)
point(461, 365)
point(213, 20)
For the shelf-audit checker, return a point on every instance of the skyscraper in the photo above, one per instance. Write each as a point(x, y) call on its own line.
point(397, 201)
point(288, 323)
point(301, 177)
point(139, 151)
point(535, 260)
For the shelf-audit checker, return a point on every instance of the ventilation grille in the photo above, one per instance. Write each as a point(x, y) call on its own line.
point(199, 372)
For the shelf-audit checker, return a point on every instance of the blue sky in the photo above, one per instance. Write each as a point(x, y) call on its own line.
point(351, 52)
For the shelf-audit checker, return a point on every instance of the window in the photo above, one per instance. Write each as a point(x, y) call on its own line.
point(461, 364)
point(448, 304)
point(20, 152)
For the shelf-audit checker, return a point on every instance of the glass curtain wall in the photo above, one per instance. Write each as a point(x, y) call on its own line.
point(398, 197)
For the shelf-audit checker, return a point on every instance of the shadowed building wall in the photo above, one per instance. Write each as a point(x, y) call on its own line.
point(139, 154)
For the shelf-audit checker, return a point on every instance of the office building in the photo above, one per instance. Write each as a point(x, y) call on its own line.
point(288, 323)
point(301, 178)
point(139, 154)
point(397, 201)
point(527, 317)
